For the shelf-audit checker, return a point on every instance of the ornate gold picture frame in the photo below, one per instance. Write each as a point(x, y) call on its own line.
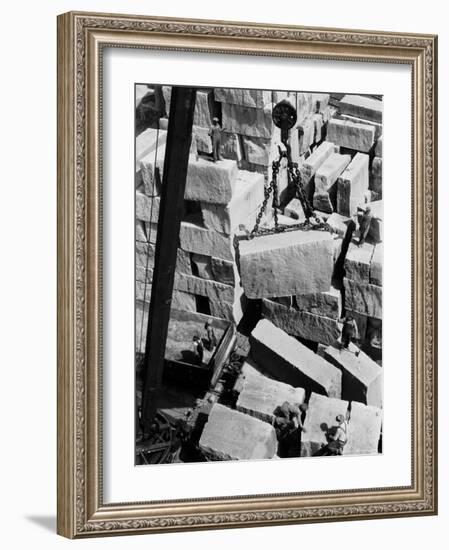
point(82, 39)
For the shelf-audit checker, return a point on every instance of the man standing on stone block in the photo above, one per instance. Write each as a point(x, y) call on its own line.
point(215, 134)
point(198, 350)
point(349, 332)
point(365, 224)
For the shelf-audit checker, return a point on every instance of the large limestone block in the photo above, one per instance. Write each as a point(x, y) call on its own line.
point(211, 181)
point(319, 128)
point(376, 231)
point(246, 201)
point(141, 232)
point(183, 301)
point(289, 361)
point(257, 150)
point(148, 142)
point(352, 185)
point(197, 239)
point(316, 328)
point(282, 264)
point(321, 416)
point(204, 287)
point(358, 262)
point(327, 304)
point(231, 311)
point(362, 107)
point(306, 134)
point(325, 196)
point(376, 125)
point(260, 396)
point(376, 267)
point(363, 298)
point(364, 430)
point(351, 135)
point(338, 224)
point(150, 177)
point(147, 208)
point(232, 435)
point(362, 378)
point(243, 97)
point(315, 160)
point(202, 139)
point(247, 121)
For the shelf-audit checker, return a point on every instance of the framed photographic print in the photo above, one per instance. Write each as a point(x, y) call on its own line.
point(246, 274)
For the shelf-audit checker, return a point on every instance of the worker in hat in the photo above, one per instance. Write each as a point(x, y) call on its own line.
point(215, 134)
point(337, 437)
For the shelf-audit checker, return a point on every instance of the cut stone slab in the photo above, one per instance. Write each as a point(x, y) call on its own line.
point(141, 233)
point(351, 135)
point(375, 182)
point(358, 261)
point(224, 272)
point(211, 181)
point(362, 378)
point(282, 264)
point(321, 416)
point(376, 267)
point(325, 196)
point(260, 396)
point(352, 185)
point(306, 135)
point(305, 104)
point(289, 361)
point(257, 150)
point(363, 298)
point(246, 98)
point(316, 328)
point(147, 171)
point(202, 139)
point(147, 142)
point(203, 287)
point(315, 160)
point(326, 304)
point(247, 121)
point(197, 239)
point(231, 311)
point(318, 123)
point(376, 125)
point(295, 210)
point(245, 203)
point(364, 430)
point(338, 224)
point(147, 208)
point(183, 301)
point(362, 107)
point(376, 232)
point(232, 435)
point(145, 253)
point(204, 108)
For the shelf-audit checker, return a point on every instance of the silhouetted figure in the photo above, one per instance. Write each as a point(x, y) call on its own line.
point(349, 332)
point(211, 338)
point(288, 424)
point(337, 438)
point(215, 134)
point(365, 224)
point(198, 350)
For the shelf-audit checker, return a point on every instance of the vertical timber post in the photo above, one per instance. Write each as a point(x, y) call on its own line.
point(176, 162)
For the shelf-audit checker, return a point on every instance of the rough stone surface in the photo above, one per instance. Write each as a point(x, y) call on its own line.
point(378, 150)
point(248, 121)
point(202, 139)
point(200, 240)
point(320, 417)
point(204, 108)
point(152, 184)
point(316, 159)
point(363, 298)
point(376, 232)
point(338, 224)
point(295, 210)
point(327, 304)
point(375, 180)
point(362, 107)
point(146, 143)
point(305, 104)
point(231, 147)
point(316, 328)
point(375, 274)
point(241, 209)
point(260, 396)
point(204, 287)
point(231, 311)
point(246, 98)
point(289, 361)
point(257, 150)
point(363, 430)
point(320, 102)
point(318, 123)
point(296, 262)
point(141, 233)
point(145, 258)
point(147, 208)
point(325, 196)
point(352, 185)
point(211, 181)
point(232, 435)
point(362, 378)
point(351, 135)
point(183, 300)
point(224, 272)
point(306, 135)
point(358, 261)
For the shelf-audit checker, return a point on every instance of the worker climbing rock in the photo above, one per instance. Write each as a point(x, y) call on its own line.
point(288, 425)
point(337, 437)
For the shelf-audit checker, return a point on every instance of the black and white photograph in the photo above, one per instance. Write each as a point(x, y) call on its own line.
point(258, 274)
